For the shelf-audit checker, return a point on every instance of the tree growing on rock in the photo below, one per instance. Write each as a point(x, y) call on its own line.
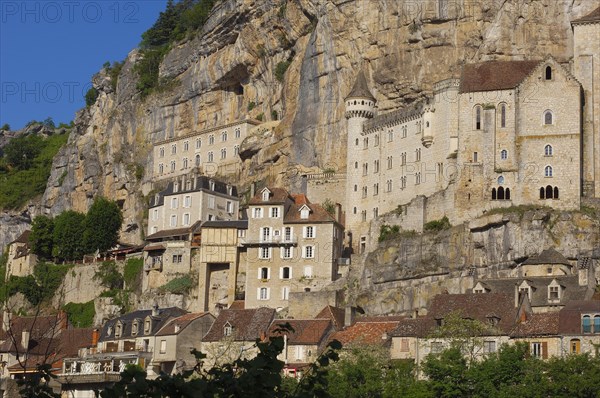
point(41, 238)
point(102, 224)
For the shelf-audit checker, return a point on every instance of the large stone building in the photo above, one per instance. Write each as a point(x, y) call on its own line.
point(207, 151)
point(505, 133)
point(293, 245)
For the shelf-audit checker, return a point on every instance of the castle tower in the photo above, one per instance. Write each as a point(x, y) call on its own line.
point(360, 106)
point(586, 57)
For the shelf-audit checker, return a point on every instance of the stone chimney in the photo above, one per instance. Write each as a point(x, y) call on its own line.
point(95, 336)
point(349, 315)
point(25, 339)
point(155, 311)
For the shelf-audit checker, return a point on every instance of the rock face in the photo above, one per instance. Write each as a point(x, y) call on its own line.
point(404, 273)
point(403, 46)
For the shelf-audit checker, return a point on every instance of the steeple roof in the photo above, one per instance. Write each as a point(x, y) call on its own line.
point(361, 88)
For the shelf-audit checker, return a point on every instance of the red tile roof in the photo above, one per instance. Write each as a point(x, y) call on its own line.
point(337, 316)
point(544, 324)
point(593, 16)
point(570, 315)
point(414, 327)
point(277, 196)
point(373, 331)
point(306, 331)
point(237, 305)
point(317, 214)
point(23, 238)
point(495, 75)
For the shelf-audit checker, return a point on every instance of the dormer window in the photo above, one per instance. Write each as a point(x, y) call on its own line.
point(211, 185)
point(493, 320)
point(135, 327)
point(227, 329)
point(554, 291)
point(118, 329)
point(109, 331)
point(265, 195)
point(304, 212)
point(147, 326)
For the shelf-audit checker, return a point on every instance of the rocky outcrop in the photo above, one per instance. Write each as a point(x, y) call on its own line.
point(11, 226)
point(404, 46)
point(404, 273)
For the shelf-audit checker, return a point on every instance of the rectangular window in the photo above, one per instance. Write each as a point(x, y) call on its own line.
point(174, 203)
point(285, 273)
point(257, 212)
point(309, 232)
point(163, 346)
point(177, 258)
point(187, 201)
point(274, 212)
point(308, 271)
point(299, 352)
point(155, 214)
point(309, 251)
point(174, 220)
point(287, 234)
point(287, 252)
point(404, 345)
point(211, 202)
point(264, 253)
point(229, 207)
point(285, 293)
point(264, 273)
point(489, 346)
point(553, 293)
point(186, 219)
point(536, 350)
point(263, 293)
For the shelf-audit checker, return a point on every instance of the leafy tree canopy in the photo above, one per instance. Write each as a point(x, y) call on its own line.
point(42, 235)
point(102, 224)
point(69, 227)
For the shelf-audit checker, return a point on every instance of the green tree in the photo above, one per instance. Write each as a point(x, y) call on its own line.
point(447, 373)
point(20, 152)
point(109, 276)
point(49, 123)
point(5, 127)
point(102, 224)
point(68, 236)
point(91, 96)
point(41, 238)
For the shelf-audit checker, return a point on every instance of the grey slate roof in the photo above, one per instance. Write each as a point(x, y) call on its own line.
point(165, 314)
point(361, 88)
point(202, 184)
point(548, 256)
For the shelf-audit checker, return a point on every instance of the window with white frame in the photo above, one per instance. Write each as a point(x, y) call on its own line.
point(287, 234)
point(537, 350)
point(173, 220)
point(265, 234)
point(227, 329)
point(285, 293)
point(187, 201)
point(263, 293)
point(155, 214)
point(264, 273)
point(186, 219)
point(554, 293)
point(285, 273)
point(211, 202)
point(163, 346)
point(548, 171)
point(258, 212)
point(309, 231)
point(229, 207)
point(274, 212)
point(548, 151)
point(264, 253)
point(309, 251)
point(304, 213)
point(308, 271)
point(504, 154)
point(287, 252)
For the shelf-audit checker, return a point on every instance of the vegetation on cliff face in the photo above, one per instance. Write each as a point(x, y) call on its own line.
point(70, 235)
point(37, 288)
point(25, 167)
point(178, 20)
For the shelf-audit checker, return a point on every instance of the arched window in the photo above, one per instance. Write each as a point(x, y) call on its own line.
point(586, 324)
point(548, 151)
point(198, 143)
point(542, 193)
point(500, 193)
point(162, 152)
point(507, 194)
point(596, 323)
point(477, 117)
point(223, 153)
point(548, 171)
point(555, 192)
point(548, 117)
point(355, 188)
point(236, 150)
point(548, 73)
point(186, 146)
point(160, 168)
point(185, 163)
point(173, 166)
point(549, 192)
point(210, 157)
point(356, 165)
point(504, 154)
point(500, 180)
point(197, 160)
point(211, 140)
point(356, 142)
point(494, 197)
point(224, 136)
point(575, 346)
point(503, 115)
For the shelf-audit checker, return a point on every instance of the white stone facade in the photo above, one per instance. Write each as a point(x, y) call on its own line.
point(208, 151)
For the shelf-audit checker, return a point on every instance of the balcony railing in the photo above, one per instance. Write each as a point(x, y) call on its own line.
point(271, 240)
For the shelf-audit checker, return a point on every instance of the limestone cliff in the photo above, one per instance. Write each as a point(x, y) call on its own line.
point(404, 46)
point(403, 274)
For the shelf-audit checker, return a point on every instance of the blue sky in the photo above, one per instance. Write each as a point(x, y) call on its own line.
point(49, 51)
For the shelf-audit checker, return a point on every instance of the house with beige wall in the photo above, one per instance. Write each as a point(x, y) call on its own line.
point(20, 260)
point(222, 263)
point(207, 152)
point(292, 245)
